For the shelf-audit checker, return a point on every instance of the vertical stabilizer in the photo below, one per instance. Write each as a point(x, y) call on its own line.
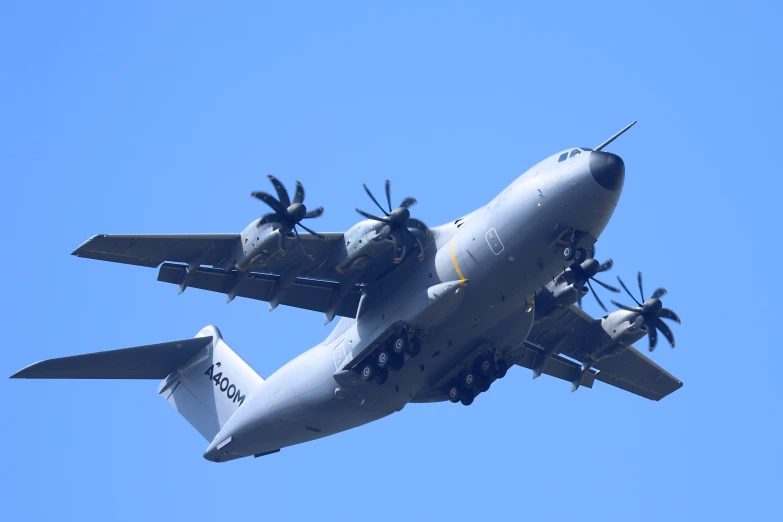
point(211, 385)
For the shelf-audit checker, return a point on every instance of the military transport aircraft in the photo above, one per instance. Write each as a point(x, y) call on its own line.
point(428, 314)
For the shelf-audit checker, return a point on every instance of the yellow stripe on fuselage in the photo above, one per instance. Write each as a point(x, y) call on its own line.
point(462, 281)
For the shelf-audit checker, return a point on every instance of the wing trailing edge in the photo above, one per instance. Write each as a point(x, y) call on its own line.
point(308, 294)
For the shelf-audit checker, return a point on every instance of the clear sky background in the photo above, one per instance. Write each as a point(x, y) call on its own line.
point(163, 116)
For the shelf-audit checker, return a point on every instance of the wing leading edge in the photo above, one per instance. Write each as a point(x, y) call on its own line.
point(154, 361)
point(152, 250)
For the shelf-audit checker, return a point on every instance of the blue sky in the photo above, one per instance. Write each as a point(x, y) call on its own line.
point(163, 116)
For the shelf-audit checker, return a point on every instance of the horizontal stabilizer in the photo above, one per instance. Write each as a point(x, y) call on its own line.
point(154, 361)
point(308, 294)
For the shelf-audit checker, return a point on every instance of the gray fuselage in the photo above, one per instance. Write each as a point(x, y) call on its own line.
point(493, 260)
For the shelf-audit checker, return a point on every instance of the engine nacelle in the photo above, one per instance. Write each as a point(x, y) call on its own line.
point(618, 326)
point(360, 252)
point(560, 295)
point(257, 244)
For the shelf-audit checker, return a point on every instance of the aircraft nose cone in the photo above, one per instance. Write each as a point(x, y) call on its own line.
point(607, 169)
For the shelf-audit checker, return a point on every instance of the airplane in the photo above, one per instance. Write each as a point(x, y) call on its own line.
point(427, 314)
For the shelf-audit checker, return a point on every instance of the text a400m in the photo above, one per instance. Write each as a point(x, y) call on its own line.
point(225, 385)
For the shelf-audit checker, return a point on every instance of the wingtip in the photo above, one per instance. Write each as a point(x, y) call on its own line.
point(22, 374)
point(85, 243)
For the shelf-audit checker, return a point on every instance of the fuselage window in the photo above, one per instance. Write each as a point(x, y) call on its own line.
point(563, 157)
point(575, 152)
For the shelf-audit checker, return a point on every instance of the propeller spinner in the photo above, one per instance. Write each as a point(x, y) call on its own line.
point(650, 313)
point(396, 223)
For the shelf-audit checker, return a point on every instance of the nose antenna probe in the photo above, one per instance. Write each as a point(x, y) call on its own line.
point(610, 140)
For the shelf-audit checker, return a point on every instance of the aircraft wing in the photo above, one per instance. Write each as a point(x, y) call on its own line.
point(205, 249)
point(317, 286)
point(152, 250)
point(580, 335)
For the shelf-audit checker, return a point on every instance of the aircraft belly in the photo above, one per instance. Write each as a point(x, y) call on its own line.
point(316, 414)
point(298, 403)
point(494, 309)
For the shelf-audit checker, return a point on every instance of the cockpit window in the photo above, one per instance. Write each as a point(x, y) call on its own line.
point(586, 149)
point(575, 152)
point(563, 157)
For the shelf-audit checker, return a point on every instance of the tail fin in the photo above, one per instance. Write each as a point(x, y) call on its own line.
point(211, 385)
point(203, 378)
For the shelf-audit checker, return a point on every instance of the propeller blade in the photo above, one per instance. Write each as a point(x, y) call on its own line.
point(370, 216)
point(653, 335)
point(282, 193)
point(601, 304)
point(269, 218)
point(399, 250)
point(313, 232)
point(665, 313)
point(299, 196)
point(608, 287)
point(374, 200)
point(628, 291)
point(664, 330)
point(639, 278)
point(412, 237)
point(606, 266)
point(383, 233)
point(314, 213)
point(659, 293)
point(408, 202)
point(388, 194)
point(271, 201)
point(635, 325)
point(301, 244)
point(421, 249)
point(622, 306)
point(415, 223)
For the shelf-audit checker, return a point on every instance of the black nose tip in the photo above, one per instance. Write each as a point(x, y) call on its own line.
point(608, 169)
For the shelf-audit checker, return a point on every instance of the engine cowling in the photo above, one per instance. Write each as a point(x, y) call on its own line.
point(360, 251)
point(561, 294)
point(257, 244)
point(618, 326)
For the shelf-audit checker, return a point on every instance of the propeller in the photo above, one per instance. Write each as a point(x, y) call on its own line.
point(286, 213)
point(396, 223)
point(582, 273)
point(650, 313)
